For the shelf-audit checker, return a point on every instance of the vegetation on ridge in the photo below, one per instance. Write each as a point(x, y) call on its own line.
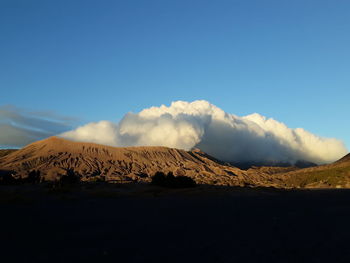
point(332, 177)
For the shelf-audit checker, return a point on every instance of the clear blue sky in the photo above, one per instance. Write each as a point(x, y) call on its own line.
point(95, 60)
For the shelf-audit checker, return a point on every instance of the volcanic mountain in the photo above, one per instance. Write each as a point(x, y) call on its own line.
point(54, 156)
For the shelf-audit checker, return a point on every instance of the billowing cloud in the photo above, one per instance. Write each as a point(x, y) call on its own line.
point(225, 136)
point(19, 127)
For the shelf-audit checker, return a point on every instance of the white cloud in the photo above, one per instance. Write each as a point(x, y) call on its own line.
point(226, 136)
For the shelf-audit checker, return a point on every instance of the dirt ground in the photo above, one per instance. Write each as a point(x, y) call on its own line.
point(142, 223)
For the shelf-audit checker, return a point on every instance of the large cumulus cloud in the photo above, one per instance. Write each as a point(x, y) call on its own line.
point(226, 136)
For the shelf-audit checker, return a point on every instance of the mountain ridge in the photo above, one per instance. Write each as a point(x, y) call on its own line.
point(54, 156)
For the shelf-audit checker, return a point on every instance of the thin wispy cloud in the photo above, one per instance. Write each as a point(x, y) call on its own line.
point(19, 127)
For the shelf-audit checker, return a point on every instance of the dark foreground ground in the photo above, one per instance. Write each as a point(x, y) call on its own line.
point(147, 224)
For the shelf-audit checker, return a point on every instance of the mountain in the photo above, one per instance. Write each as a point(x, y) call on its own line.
point(54, 156)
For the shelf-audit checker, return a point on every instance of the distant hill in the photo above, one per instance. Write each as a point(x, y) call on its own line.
point(248, 165)
point(335, 175)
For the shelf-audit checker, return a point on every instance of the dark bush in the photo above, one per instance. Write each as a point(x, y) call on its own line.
point(70, 178)
point(185, 181)
point(33, 177)
point(171, 181)
point(6, 177)
point(159, 178)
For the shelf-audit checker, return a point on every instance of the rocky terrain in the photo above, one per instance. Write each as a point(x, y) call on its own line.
point(53, 157)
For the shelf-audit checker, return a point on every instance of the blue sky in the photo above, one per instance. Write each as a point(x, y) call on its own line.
point(95, 60)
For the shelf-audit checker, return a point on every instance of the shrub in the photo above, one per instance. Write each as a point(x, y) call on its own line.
point(159, 178)
point(70, 178)
point(185, 181)
point(171, 181)
point(33, 177)
point(6, 177)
